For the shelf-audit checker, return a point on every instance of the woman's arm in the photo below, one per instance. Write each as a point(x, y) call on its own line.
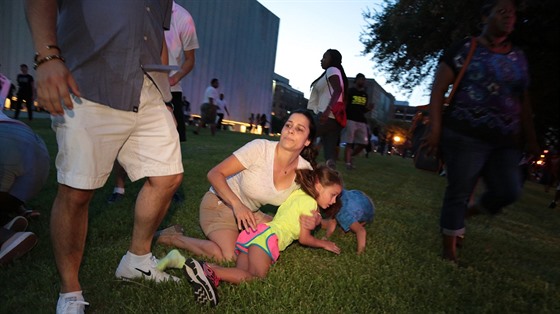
point(336, 90)
point(217, 177)
point(443, 78)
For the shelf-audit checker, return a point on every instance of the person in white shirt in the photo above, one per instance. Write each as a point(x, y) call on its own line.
point(182, 42)
point(222, 106)
point(328, 89)
point(209, 107)
point(259, 173)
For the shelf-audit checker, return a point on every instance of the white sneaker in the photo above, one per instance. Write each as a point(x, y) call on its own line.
point(147, 270)
point(70, 305)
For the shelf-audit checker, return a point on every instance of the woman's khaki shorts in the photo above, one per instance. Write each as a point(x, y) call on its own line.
point(215, 215)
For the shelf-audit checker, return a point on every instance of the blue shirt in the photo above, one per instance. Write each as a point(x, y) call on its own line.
point(356, 207)
point(106, 43)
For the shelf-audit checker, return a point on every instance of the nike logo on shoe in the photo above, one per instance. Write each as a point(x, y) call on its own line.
point(147, 273)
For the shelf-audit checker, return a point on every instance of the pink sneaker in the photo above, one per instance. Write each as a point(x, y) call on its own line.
point(203, 281)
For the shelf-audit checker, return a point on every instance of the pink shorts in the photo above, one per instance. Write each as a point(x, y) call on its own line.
point(263, 237)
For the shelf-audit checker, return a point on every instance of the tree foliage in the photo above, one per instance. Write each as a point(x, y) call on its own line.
point(407, 37)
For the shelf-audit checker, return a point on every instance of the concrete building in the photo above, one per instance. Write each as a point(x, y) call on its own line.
point(238, 41)
point(403, 112)
point(286, 98)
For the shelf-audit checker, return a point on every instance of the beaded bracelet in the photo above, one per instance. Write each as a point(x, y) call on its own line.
point(38, 62)
point(46, 59)
point(49, 47)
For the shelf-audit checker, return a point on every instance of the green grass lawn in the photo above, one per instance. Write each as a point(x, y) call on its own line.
point(510, 263)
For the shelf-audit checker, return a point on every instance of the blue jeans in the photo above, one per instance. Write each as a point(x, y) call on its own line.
point(467, 159)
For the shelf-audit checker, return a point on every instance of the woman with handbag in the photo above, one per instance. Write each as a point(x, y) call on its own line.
point(486, 125)
point(327, 102)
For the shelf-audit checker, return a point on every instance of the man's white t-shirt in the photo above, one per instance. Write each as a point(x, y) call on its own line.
point(180, 37)
point(221, 103)
point(211, 92)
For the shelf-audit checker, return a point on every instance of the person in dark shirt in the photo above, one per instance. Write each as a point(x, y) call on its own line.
point(487, 126)
point(356, 133)
point(26, 91)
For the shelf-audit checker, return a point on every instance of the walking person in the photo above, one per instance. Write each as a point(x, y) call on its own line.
point(487, 125)
point(356, 134)
point(222, 107)
point(263, 121)
point(328, 89)
point(182, 41)
point(25, 92)
point(104, 99)
point(209, 108)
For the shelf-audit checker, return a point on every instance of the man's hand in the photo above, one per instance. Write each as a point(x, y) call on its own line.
point(54, 84)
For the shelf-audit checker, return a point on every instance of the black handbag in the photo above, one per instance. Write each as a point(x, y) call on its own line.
point(423, 161)
point(432, 162)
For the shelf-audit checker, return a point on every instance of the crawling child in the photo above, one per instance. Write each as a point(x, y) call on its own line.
point(357, 210)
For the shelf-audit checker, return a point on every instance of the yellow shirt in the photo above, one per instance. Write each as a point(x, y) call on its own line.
point(286, 221)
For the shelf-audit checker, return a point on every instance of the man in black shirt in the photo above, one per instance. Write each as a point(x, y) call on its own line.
point(26, 90)
point(356, 133)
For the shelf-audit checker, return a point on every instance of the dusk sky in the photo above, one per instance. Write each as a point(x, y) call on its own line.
point(309, 27)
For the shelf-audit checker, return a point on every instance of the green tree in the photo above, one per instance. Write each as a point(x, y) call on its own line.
point(407, 37)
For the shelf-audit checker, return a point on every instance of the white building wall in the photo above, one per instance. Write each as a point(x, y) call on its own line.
point(15, 39)
point(238, 41)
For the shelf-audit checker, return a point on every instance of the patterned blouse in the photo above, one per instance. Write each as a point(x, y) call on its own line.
point(487, 103)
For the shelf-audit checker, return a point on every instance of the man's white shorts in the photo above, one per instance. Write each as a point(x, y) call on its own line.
point(91, 136)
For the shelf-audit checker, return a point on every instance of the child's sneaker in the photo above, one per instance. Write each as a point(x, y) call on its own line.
point(203, 281)
point(173, 259)
point(147, 270)
point(70, 305)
